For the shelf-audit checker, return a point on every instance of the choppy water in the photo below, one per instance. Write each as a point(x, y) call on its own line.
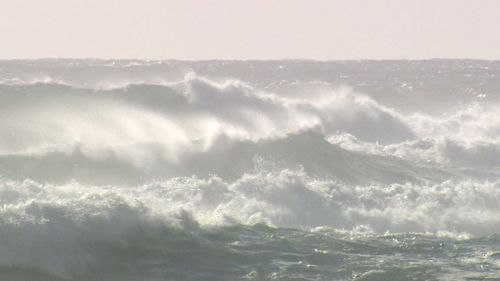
point(277, 170)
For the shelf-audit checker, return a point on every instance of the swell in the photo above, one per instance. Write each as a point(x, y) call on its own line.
point(263, 253)
point(229, 159)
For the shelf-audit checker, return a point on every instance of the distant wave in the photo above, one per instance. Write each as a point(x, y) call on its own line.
point(141, 122)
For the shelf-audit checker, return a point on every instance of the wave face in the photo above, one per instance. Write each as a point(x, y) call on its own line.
point(261, 170)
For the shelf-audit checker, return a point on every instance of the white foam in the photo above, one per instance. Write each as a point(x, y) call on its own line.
point(284, 198)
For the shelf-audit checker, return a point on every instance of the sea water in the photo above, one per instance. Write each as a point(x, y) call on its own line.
point(249, 170)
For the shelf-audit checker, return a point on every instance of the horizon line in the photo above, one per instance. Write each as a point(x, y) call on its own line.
point(247, 60)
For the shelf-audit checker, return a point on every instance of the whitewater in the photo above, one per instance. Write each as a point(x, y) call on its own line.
point(133, 170)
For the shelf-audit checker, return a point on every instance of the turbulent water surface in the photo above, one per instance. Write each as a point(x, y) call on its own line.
point(259, 170)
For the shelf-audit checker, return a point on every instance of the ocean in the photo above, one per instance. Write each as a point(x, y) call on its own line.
point(130, 170)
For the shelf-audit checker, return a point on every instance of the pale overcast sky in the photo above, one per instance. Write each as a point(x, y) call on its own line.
point(251, 29)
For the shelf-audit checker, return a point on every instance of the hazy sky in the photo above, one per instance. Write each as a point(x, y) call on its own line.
point(251, 29)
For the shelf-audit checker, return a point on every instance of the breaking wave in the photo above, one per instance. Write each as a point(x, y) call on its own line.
point(70, 230)
point(183, 177)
